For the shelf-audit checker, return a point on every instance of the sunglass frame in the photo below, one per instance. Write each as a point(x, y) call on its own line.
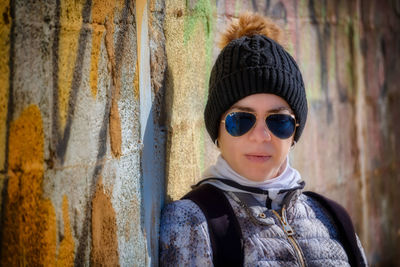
point(265, 121)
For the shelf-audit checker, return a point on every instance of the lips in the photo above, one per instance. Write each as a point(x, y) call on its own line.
point(258, 158)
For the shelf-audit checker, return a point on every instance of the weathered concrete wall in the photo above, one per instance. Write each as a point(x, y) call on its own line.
point(81, 136)
point(189, 31)
point(348, 52)
point(83, 119)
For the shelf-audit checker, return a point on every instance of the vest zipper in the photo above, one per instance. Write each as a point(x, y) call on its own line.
point(290, 235)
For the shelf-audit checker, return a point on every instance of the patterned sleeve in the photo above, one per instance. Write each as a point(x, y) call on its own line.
point(184, 238)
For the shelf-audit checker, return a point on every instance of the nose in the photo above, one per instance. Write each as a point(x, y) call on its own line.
point(260, 132)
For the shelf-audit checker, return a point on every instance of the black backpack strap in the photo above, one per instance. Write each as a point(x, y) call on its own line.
point(223, 226)
point(344, 226)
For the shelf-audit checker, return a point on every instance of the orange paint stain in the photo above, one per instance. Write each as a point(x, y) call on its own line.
point(104, 250)
point(71, 24)
point(103, 15)
point(5, 28)
point(102, 10)
point(115, 121)
point(140, 8)
point(66, 250)
point(136, 91)
point(29, 230)
point(115, 131)
point(95, 54)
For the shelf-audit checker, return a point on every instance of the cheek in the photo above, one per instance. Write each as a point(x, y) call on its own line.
point(221, 130)
point(284, 147)
point(223, 139)
point(227, 144)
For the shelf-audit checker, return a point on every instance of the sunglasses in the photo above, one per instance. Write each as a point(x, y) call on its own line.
point(281, 125)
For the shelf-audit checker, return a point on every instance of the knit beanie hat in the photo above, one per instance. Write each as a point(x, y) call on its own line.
point(253, 64)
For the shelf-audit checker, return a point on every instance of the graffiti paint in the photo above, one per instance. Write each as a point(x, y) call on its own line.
point(77, 98)
point(102, 11)
point(115, 59)
point(104, 249)
point(5, 28)
point(71, 24)
point(189, 48)
point(27, 237)
point(201, 13)
point(115, 121)
point(97, 37)
point(66, 255)
point(115, 42)
point(62, 94)
point(136, 92)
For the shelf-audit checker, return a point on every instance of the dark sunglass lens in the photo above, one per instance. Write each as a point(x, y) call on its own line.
point(281, 125)
point(239, 123)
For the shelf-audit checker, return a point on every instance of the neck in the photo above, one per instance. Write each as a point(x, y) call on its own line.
point(286, 175)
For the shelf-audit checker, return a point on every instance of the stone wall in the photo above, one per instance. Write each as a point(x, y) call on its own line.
point(81, 142)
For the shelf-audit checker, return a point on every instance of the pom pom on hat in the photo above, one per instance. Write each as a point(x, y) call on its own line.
point(252, 62)
point(249, 24)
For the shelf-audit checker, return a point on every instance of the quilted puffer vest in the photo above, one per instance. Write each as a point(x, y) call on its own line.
point(184, 237)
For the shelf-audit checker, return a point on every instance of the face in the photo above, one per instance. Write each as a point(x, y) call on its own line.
point(257, 155)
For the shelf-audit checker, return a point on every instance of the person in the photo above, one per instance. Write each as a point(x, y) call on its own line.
point(255, 113)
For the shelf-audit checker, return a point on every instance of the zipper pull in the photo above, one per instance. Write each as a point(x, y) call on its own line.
point(285, 225)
